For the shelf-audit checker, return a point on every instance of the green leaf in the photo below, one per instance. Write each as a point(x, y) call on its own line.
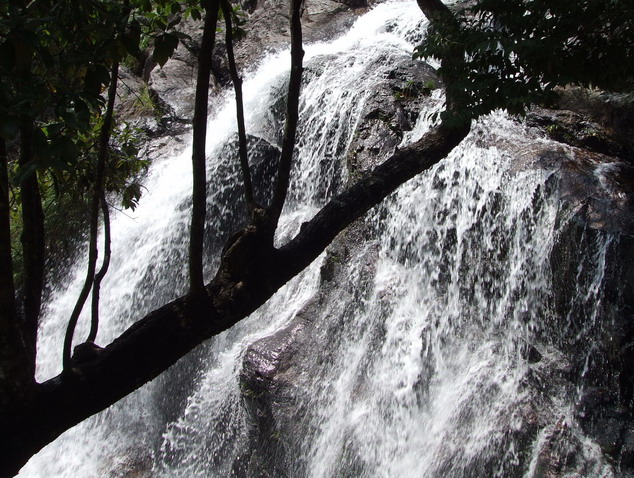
point(175, 8)
point(24, 172)
point(195, 14)
point(164, 46)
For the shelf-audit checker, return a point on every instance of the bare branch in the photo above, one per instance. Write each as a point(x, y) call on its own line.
point(237, 85)
point(96, 288)
point(199, 187)
point(104, 140)
point(292, 116)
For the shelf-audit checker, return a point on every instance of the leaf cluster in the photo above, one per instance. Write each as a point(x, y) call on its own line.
point(516, 52)
point(55, 60)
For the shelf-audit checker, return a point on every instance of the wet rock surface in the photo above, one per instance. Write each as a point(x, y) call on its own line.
point(613, 111)
point(267, 30)
point(274, 370)
point(576, 130)
point(268, 381)
point(227, 210)
point(596, 197)
point(268, 23)
point(596, 190)
point(390, 112)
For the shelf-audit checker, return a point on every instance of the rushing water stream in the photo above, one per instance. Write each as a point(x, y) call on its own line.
point(416, 360)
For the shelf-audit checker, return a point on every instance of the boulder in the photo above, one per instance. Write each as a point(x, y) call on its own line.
point(226, 210)
point(576, 130)
point(390, 112)
point(267, 383)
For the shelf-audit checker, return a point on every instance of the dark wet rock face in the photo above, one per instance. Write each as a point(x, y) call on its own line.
point(573, 129)
point(267, 381)
point(226, 210)
point(612, 111)
point(596, 193)
point(391, 111)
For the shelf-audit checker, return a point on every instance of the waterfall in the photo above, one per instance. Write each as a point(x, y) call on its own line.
point(437, 348)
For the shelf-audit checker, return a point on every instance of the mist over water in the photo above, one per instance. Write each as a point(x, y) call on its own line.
point(417, 365)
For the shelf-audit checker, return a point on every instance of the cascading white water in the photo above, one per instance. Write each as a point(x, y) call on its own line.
point(416, 366)
point(427, 374)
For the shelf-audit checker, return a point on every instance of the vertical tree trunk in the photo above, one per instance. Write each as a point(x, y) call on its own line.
point(237, 85)
point(292, 116)
point(16, 370)
point(104, 140)
point(96, 288)
point(33, 245)
point(199, 188)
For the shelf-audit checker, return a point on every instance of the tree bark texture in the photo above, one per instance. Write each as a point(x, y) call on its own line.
point(98, 193)
point(237, 86)
point(105, 264)
point(15, 367)
point(199, 187)
point(292, 116)
point(33, 243)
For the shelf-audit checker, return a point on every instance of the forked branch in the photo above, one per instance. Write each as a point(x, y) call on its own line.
point(96, 288)
point(98, 192)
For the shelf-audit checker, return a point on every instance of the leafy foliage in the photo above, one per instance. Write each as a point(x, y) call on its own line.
point(56, 59)
point(518, 51)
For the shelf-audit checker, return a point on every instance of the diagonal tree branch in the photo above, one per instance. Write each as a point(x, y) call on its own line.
point(366, 193)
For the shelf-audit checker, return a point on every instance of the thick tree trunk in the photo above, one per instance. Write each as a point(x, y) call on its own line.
point(199, 187)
